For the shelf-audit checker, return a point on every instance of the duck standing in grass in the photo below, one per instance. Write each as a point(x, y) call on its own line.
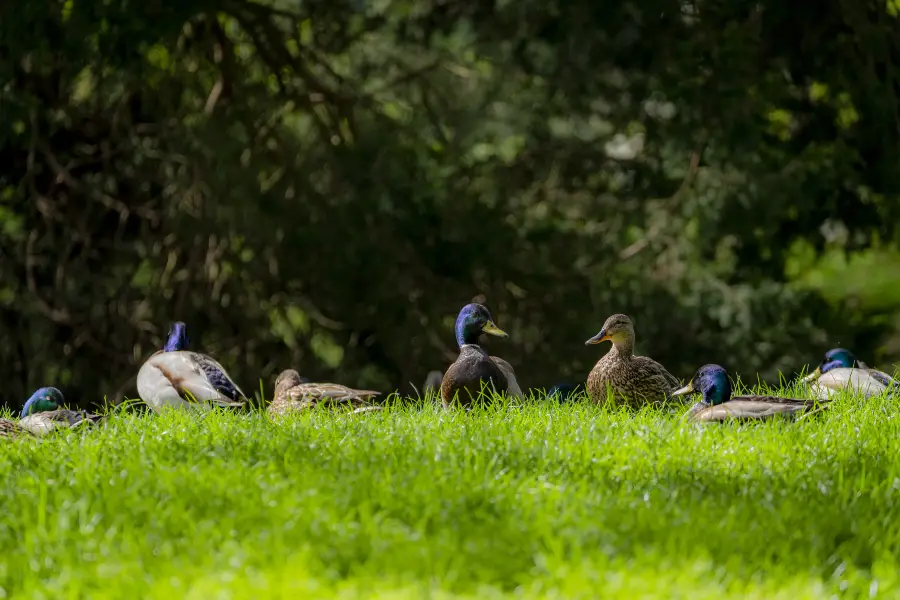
point(292, 394)
point(719, 405)
point(634, 380)
point(178, 378)
point(840, 370)
point(474, 368)
point(42, 413)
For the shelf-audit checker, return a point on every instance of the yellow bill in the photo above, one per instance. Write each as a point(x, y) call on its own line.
point(688, 389)
point(813, 376)
point(492, 329)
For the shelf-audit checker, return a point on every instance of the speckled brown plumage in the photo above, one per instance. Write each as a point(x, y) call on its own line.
point(465, 377)
point(292, 395)
point(46, 422)
point(11, 429)
point(634, 380)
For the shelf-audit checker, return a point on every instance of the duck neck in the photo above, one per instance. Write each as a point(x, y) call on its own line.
point(624, 346)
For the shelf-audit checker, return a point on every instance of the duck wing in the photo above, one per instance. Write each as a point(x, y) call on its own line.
point(512, 385)
point(44, 422)
point(11, 429)
point(883, 378)
point(652, 369)
point(741, 408)
point(218, 377)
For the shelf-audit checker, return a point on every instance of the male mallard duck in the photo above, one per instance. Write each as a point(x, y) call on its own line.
point(475, 367)
point(292, 394)
point(634, 380)
point(178, 378)
point(42, 413)
point(565, 391)
point(840, 370)
point(719, 405)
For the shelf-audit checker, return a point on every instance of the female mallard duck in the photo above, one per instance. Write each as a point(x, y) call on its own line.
point(177, 378)
point(42, 413)
point(719, 405)
point(840, 370)
point(634, 380)
point(293, 395)
point(474, 368)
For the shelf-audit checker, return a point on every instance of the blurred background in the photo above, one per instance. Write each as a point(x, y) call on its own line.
point(323, 184)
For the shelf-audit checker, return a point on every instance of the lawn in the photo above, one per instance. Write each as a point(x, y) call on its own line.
point(542, 500)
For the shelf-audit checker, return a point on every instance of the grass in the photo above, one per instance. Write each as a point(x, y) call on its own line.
point(542, 500)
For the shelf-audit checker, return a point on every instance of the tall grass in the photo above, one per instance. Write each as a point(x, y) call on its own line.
point(538, 500)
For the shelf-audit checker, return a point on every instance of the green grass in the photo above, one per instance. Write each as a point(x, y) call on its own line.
point(536, 501)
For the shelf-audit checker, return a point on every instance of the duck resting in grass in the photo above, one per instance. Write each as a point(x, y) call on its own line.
point(175, 377)
point(634, 380)
point(43, 413)
point(474, 368)
point(292, 394)
point(841, 370)
point(717, 404)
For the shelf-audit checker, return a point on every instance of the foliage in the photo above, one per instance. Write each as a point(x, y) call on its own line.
point(323, 184)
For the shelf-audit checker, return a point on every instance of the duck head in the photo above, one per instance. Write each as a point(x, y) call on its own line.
point(711, 381)
point(43, 400)
point(178, 339)
point(617, 329)
point(473, 320)
point(836, 358)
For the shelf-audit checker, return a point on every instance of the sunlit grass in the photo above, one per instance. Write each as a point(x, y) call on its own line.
point(541, 500)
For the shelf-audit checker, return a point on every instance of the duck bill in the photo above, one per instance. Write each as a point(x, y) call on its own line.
point(688, 389)
point(491, 329)
point(600, 337)
point(813, 376)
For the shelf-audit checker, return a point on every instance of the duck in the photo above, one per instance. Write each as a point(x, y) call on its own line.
point(43, 414)
point(474, 367)
point(634, 380)
point(292, 394)
point(565, 392)
point(840, 369)
point(177, 378)
point(717, 405)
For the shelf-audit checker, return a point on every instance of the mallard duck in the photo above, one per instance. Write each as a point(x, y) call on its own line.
point(719, 405)
point(177, 378)
point(42, 413)
point(292, 394)
point(474, 368)
point(564, 392)
point(634, 380)
point(840, 370)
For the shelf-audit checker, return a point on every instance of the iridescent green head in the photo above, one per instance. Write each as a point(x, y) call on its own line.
point(712, 382)
point(473, 320)
point(43, 400)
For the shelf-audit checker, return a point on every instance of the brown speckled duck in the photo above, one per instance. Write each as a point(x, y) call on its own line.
point(634, 380)
point(292, 394)
point(464, 379)
point(9, 429)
